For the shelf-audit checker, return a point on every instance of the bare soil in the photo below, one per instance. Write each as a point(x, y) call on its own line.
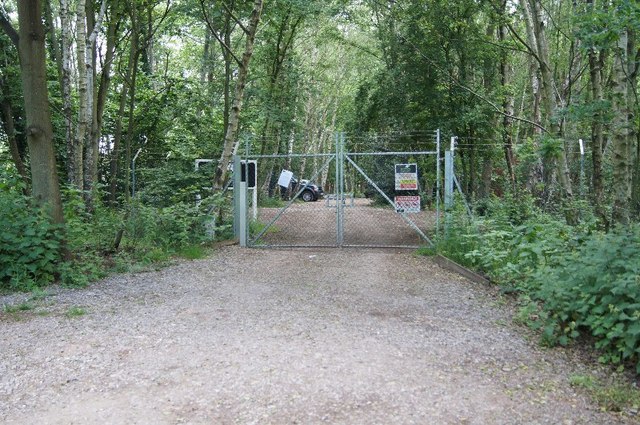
point(299, 336)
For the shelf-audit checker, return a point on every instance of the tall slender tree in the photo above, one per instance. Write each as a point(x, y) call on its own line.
point(231, 135)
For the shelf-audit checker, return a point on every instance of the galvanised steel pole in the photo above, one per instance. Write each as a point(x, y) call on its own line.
point(336, 188)
point(437, 182)
point(340, 190)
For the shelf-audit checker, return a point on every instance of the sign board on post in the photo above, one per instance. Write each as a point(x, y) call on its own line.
point(407, 204)
point(285, 178)
point(406, 176)
point(249, 178)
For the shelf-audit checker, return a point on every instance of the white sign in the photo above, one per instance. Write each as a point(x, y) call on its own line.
point(285, 178)
point(406, 176)
point(407, 204)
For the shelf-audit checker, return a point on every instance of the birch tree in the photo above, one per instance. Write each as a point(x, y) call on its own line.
point(230, 138)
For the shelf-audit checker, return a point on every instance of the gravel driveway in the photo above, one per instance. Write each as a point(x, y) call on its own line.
point(282, 337)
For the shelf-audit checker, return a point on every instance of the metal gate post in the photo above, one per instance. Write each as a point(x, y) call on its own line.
point(448, 180)
point(438, 182)
point(236, 198)
point(339, 189)
point(239, 203)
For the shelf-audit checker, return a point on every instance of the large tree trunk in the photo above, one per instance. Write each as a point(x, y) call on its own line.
point(230, 138)
point(39, 131)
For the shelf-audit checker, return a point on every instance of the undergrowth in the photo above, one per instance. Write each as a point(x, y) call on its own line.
point(34, 252)
point(571, 281)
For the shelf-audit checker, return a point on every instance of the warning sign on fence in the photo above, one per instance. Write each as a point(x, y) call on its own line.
point(407, 204)
point(406, 176)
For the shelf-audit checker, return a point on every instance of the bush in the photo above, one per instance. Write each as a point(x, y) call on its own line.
point(31, 246)
point(572, 280)
point(171, 228)
point(595, 289)
point(29, 243)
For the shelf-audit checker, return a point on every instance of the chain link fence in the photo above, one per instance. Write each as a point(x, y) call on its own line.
point(368, 191)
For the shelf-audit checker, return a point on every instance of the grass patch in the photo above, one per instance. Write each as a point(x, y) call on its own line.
point(271, 203)
point(614, 397)
point(18, 308)
point(427, 251)
point(75, 312)
point(255, 227)
point(193, 252)
point(38, 294)
point(156, 256)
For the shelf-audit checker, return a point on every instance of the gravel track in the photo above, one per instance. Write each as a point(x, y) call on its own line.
point(283, 337)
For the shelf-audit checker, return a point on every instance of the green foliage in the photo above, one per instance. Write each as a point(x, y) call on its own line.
point(270, 202)
point(169, 228)
point(595, 288)
point(172, 183)
point(75, 312)
point(255, 227)
point(89, 236)
point(550, 148)
point(29, 243)
point(30, 246)
point(18, 308)
point(571, 281)
point(613, 397)
point(193, 252)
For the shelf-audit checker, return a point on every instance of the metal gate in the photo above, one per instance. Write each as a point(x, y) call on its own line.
point(366, 192)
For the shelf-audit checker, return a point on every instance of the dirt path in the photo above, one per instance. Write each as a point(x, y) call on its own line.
point(282, 337)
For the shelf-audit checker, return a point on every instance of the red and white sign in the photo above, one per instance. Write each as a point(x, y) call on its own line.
point(407, 204)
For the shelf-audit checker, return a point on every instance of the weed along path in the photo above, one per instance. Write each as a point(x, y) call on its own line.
point(282, 337)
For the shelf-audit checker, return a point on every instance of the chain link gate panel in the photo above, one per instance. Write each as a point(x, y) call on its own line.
point(349, 197)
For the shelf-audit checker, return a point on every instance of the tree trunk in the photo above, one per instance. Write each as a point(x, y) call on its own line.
point(487, 172)
point(234, 116)
point(53, 39)
point(84, 89)
point(206, 58)
point(92, 151)
point(130, 126)
point(507, 106)
point(67, 108)
point(596, 63)
point(228, 58)
point(39, 131)
point(634, 68)
point(621, 132)
point(6, 114)
point(537, 171)
point(549, 103)
point(117, 136)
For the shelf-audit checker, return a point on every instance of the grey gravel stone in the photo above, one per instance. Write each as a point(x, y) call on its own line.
point(283, 337)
